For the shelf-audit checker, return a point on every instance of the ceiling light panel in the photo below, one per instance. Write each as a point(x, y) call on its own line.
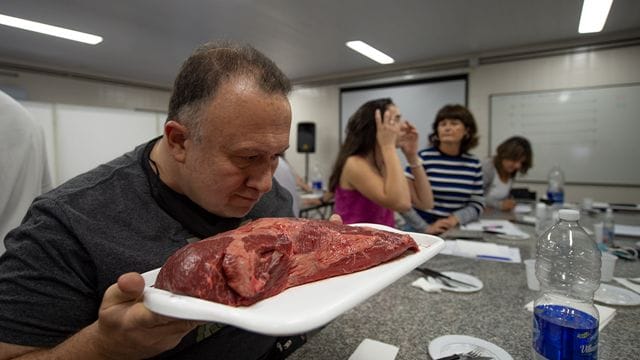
point(594, 15)
point(49, 30)
point(370, 52)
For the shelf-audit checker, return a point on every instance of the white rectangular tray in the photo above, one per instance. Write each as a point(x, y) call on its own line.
point(298, 309)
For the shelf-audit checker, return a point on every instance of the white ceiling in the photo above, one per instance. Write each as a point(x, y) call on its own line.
point(145, 41)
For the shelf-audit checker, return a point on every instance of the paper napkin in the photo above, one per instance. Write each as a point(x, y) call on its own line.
point(374, 350)
point(606, 314)
point(429, 284)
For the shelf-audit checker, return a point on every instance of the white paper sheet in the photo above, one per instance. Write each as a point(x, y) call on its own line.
point(498, 226)
point(522, 208)
point(482, 251)
point(627, 230)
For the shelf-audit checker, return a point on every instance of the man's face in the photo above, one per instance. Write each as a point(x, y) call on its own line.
point(243, 132)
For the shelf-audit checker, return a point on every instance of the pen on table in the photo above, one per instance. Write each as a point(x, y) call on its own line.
point(491, 257)
point(489, 231)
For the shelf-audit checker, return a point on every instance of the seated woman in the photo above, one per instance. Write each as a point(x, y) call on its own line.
point(512, 156)
point(454, 174)
point(367, 179)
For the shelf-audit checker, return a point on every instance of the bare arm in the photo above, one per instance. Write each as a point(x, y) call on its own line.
point(420, 187)
point(124, 329)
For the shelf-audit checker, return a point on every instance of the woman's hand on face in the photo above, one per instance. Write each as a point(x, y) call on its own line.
point(388, 128)
point(408, 140)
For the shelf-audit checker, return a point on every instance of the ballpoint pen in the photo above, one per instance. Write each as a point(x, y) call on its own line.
point(492, 229)
point(491, 257)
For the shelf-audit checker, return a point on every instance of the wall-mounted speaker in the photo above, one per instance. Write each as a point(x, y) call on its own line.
point(306, 137)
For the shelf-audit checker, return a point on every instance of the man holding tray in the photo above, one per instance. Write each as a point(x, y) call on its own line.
point(69, 281)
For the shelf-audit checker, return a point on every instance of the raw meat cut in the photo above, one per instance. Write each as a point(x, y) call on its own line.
point(267, 256)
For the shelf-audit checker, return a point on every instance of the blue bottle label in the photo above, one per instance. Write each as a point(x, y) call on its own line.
point(555, 196)
point(607, 235)
point(316, 185)
point(560, 332)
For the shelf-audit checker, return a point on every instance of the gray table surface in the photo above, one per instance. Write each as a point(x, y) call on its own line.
point(410, 318)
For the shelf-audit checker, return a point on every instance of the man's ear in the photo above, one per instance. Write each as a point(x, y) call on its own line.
point(176, 135)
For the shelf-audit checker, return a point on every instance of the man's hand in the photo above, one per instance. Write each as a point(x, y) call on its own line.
point(127, 329)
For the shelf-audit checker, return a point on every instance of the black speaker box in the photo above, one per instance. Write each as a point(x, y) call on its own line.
point(306, 137)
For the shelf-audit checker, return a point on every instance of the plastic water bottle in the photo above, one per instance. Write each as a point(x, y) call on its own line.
point(316, 180)
point(608, 228)
point(555, 188)
point(565, 321)
point(544, 218)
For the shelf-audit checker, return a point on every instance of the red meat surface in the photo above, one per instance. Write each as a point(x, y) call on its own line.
point(266, 256)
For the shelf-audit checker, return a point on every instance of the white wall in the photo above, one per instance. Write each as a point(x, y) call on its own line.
point(606, 67)
point(107, 107)
point(79, 138)
point(66, 90)
point(596, 68)
point(320, 105)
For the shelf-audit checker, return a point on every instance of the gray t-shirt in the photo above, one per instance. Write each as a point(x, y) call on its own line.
point(77, 239)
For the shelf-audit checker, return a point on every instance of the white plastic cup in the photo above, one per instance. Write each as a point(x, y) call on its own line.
point(532, 281)
point(587, 203)
point(608, 265)
point(597, 232)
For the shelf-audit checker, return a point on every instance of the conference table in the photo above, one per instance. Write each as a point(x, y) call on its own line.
point(409, 318)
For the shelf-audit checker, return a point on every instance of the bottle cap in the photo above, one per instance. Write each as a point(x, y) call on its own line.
point(569, 215)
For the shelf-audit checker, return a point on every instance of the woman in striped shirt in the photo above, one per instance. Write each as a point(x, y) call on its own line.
point(454, 174)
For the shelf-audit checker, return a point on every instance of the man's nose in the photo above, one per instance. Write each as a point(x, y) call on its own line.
point(261, 178)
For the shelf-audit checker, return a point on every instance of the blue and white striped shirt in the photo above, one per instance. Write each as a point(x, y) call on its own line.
point(456, 182)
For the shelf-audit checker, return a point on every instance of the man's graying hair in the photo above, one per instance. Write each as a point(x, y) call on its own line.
point(208, 67)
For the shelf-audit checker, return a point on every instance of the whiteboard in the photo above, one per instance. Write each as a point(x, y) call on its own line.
point(418, 101)
point(591, 133)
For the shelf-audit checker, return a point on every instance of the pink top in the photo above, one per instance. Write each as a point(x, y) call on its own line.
point(353, 207)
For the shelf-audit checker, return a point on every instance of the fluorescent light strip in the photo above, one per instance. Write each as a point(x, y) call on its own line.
point(594, 15)
point(50, 30)
point(370, 52)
